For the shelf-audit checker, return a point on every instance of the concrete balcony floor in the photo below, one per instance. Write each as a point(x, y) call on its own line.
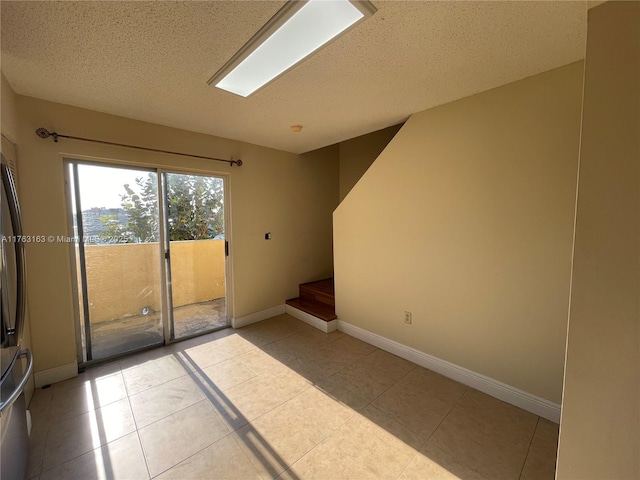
point(123, 335)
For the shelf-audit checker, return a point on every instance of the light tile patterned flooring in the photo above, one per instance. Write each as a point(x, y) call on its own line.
point(279, 399)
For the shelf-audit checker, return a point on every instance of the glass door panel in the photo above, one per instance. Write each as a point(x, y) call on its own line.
point(118, 259)
point(197, 257)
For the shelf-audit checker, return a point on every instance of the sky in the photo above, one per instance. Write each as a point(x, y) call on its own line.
point(102, 186)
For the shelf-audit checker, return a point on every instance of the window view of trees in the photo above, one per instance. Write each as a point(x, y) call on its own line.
point(194, 211)
point(195, 207)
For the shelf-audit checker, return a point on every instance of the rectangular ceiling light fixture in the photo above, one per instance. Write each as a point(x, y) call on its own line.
point(295, 32)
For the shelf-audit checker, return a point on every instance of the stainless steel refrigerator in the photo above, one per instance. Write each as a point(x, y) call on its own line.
point(13, 414)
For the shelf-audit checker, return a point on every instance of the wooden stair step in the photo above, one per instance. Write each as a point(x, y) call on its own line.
point(321, 291)
point(317, 309)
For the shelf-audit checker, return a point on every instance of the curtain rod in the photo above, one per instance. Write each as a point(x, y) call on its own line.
point(44, 133)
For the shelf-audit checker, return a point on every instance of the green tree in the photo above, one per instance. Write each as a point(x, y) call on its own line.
point(142, 209)
point(195, 209)
point(114, 231)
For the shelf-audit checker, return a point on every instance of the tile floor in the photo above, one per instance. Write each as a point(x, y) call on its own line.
point(279, 399)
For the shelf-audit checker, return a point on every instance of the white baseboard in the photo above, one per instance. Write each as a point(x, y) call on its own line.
point(257, 316)
point(56, 374)
point(326, 327)
point(514, 396)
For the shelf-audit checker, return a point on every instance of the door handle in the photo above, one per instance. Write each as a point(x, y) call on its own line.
point(18, 390)
point(14, 212)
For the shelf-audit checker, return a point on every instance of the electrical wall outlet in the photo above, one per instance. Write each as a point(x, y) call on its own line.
point(407, 318)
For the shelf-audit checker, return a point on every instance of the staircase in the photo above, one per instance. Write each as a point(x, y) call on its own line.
point(317, 301)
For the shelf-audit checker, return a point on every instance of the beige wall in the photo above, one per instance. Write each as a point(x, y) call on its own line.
point(357, 155)
point(466, 220)
point(599, 430)
point(122, 279)
point(292, 196)
point(197, 271)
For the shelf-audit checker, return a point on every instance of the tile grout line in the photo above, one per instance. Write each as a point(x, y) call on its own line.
point(407, 465)
point(190, 373)
point(206, 398)
point(193, 374)
point(69, 460)
point(46, 431)
point(524, 462)
point(447, 416)
point(120, 372)
point(44, 449)
point(137, 431)
point(154, 386)
point(443, 420)
point(358, 412)
point(390, 387)
point(250, 422)
point(375, 350)
point(311, 385)
point(329, 435)
point(240, 383)
point(190, 456)
point(60, 420)
point(170, 414)
point(305, 453)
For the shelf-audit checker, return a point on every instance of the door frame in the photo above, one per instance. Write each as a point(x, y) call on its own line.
point(67, 161)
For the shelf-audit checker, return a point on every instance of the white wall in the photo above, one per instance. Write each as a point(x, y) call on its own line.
point(466, 220)
point(290, 195)
point(599, 429)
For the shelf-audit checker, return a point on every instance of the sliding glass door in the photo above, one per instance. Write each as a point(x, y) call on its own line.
point(117, 254)
point(196, 252)
point(123, 231)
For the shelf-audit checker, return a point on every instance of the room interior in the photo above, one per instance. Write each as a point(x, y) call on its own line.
point(473, 163)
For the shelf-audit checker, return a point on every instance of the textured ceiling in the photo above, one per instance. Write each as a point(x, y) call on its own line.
point(150, 61)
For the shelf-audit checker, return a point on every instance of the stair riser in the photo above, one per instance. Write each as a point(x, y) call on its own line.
point(313, 295)
point(321, 311)
point(317, 297)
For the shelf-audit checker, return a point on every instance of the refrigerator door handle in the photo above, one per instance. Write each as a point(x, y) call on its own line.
point(25, 378)
point(14, 211)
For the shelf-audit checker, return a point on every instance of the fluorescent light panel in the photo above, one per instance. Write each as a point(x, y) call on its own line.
point(295, 32)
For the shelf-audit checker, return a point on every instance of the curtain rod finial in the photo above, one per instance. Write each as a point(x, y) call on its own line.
point(43, 133)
